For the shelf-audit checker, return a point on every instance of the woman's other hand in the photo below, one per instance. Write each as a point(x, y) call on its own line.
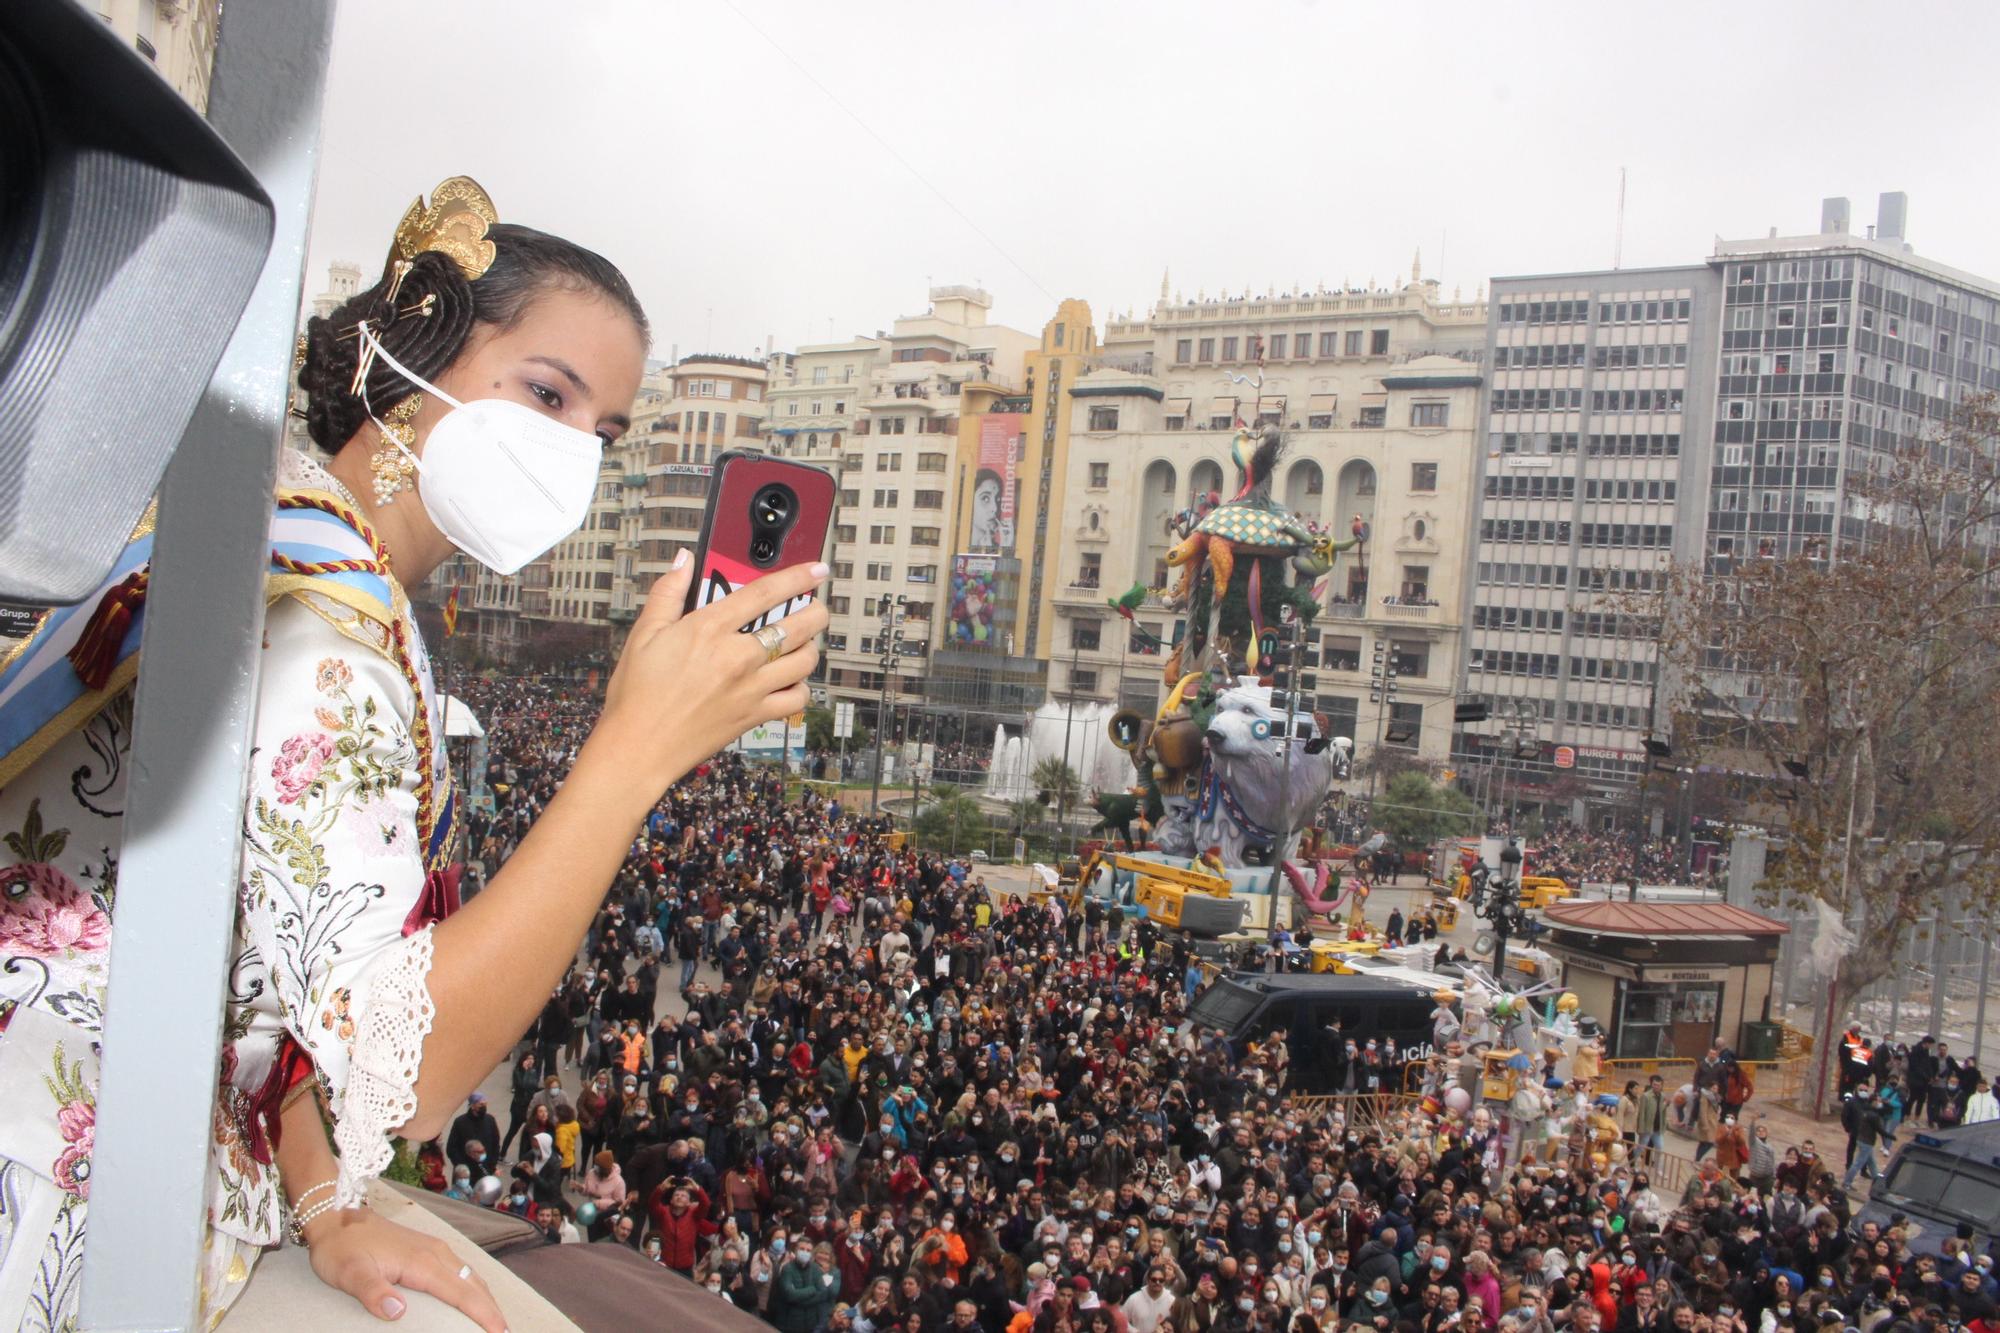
point(364, 1254)
point(688, 684)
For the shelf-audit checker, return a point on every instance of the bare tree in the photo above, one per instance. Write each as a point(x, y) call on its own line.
point(1858, 682)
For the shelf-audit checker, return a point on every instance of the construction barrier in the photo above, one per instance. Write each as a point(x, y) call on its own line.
point(1779, 1080)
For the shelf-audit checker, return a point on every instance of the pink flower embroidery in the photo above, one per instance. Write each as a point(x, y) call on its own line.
point(332, 675)
point(299, 762)
point(78, 1123)
point(45, 914)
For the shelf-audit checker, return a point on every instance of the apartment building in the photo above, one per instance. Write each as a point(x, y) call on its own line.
point(1595, 432)
point(884, 412)
point(688, 413)
point(1377, 393)
point(1711, 413)
point(176, 36)
point(1010, 480)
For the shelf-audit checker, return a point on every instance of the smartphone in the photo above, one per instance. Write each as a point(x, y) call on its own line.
point(764, 514)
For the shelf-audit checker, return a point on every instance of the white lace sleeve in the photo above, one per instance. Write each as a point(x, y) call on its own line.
point(382, 1067)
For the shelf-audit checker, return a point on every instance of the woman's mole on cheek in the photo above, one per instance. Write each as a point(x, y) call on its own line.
point(496, 384)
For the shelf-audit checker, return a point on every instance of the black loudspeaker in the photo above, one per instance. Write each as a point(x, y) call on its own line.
point(130, 240)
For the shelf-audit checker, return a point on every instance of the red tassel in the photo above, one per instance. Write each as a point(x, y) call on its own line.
point(96, 653)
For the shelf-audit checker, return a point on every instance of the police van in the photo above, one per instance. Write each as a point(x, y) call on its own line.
point(1940, 1180)
point(1389, 1005)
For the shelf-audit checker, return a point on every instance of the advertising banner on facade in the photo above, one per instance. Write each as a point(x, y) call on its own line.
point(994, 482)
point(973, 579)
point(768, 740)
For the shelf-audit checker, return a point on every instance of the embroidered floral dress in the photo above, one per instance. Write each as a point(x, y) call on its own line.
point(338, 890)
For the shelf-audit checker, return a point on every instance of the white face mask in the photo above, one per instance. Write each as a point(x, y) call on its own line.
point(502, 482)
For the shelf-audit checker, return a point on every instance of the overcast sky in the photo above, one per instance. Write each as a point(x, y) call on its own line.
point(782, 170)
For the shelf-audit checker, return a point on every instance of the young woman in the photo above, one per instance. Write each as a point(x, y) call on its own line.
point(358, 992)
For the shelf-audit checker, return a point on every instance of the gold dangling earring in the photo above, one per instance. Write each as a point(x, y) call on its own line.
point(393, 467)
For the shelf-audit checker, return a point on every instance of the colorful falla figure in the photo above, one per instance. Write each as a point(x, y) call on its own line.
point(1242, 546)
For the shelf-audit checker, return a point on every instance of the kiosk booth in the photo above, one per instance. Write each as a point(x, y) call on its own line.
point(1667, 980)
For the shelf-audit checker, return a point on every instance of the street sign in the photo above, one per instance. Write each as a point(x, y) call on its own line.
point(1565, 756)
point(843, 720)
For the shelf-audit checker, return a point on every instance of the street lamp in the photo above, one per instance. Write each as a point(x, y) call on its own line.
point(1069, 720)
point(1496, 898)
point(1290, 691)
point(891, 645)
point(1381, 693)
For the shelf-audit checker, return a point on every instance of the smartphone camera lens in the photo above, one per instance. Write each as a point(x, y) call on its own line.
point(772, 507)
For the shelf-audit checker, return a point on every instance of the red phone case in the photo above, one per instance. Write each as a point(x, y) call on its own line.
point(722, 556)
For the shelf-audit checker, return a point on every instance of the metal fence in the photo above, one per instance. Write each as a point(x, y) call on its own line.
point(1937, 985)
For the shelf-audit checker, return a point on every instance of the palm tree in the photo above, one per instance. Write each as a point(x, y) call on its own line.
point(1059, 780)
point(950, 819)
point(1025, 814)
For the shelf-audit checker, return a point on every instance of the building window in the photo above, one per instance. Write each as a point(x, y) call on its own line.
point(1423, 476)
point(1229, 349)
point(930, 463)
point(1329, 344)
point(1207, 349)
point(844, 533)
point(1353, 343)
point(1277, 352)
point(1220, 422)
point(929, 500)
point(1378, 342)
point(1343, 714)
point(1083, 682)
point(1100, 476)
point(1183, 351)
point(1435, 416)
point(1340, 653)
point(1104, 418)
point(885, 498)
point(1406, 725)
point(1090, 570)
point(882, 536)
point(1373, 418)
point(1416, 585)
point(923, 574)
point(925, 536)
point(837, 606)
point(1084, 635)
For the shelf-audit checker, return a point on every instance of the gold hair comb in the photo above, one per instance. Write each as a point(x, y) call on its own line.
point(454, 224)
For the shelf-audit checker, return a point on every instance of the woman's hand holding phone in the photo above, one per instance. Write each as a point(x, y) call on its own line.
point(689, 683)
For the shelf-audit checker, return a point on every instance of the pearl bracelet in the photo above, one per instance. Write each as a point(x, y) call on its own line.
point(296, 1228)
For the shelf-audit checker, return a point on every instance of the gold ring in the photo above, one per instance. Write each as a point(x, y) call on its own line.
point(773, 639)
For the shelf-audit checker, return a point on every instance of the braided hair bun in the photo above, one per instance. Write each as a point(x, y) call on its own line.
point(424, 342)
point(526, 263)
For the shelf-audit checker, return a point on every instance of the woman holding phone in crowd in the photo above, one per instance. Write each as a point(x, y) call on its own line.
point(463, 403)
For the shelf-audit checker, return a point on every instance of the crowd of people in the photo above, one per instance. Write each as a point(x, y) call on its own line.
point(887, 1098)
point(1579, 855)
point(1885, 1085)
